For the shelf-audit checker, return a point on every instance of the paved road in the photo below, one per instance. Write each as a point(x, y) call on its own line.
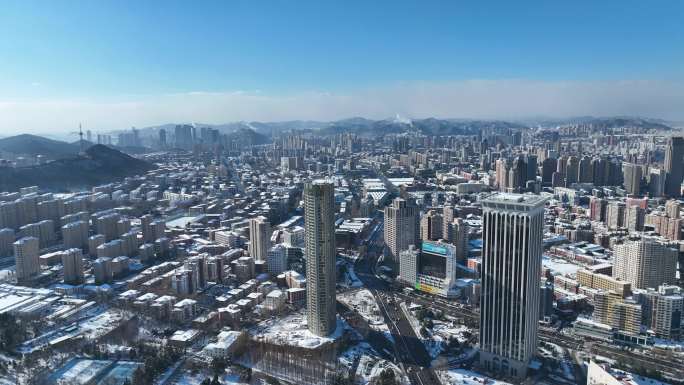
point(408, 348)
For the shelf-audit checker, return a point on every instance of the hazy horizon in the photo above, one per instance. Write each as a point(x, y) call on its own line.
point(113, 65)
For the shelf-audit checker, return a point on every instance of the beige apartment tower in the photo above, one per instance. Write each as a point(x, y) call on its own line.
point(401, 226)
point(319, 229)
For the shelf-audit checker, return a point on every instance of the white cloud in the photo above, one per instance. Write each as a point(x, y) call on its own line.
point(501, 99)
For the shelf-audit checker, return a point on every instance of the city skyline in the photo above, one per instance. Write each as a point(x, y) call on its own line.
point(240, 61)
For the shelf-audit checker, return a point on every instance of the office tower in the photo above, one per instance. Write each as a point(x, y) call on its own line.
point(511, 267)
point(674, 169)
point(26, 258)
point(75, 234)
point(615, 215)
point(572, 171)
point(634, 218)
point(632, 178)
point(7, 238)
point(259, 238)
point(646, 262)
point(549, 166)
point(319, 224)
point(431, 226)
point(401, 226)
point(72, 260)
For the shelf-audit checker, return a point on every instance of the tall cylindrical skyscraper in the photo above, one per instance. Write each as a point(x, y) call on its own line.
point(319, 225)
point(511, 267)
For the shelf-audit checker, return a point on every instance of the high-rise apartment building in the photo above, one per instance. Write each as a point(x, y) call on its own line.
point(615, 215)
point(632, 178)
point(27, 259)
point(431, 226)
point(319, 224)
point(75, 234)
point(646, 262)
point(72, 261)
point(511, 267)
point(634, 218)
point(662, 310)
point(401, 226)
point(259, 238)
point(7, 238)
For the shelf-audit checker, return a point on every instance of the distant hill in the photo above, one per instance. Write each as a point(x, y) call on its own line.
point(607, 122)
point(100, 164)
point(429, 126)
point(32, 145)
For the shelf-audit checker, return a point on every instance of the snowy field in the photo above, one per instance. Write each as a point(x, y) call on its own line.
point(363, 302)
point(560, 266)
point(465, 377)
point(188, 378)
point(292, 330)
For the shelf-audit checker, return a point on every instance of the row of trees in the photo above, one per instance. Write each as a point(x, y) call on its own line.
point(12, 332)
point(156, 362)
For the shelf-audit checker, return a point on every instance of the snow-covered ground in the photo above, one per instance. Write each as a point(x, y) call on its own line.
point(560, 266)
point(371, 367)
point(440, 334)
point(188, 378)
point(465, 377)
point(363, 302)
point(292, 330)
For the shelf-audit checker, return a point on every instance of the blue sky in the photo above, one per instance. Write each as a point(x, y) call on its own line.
point(96, 58)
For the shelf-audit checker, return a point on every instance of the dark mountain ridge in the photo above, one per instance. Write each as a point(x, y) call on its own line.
point(98, 165)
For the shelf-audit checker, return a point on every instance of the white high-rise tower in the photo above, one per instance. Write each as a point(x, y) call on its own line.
point(511, 265)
